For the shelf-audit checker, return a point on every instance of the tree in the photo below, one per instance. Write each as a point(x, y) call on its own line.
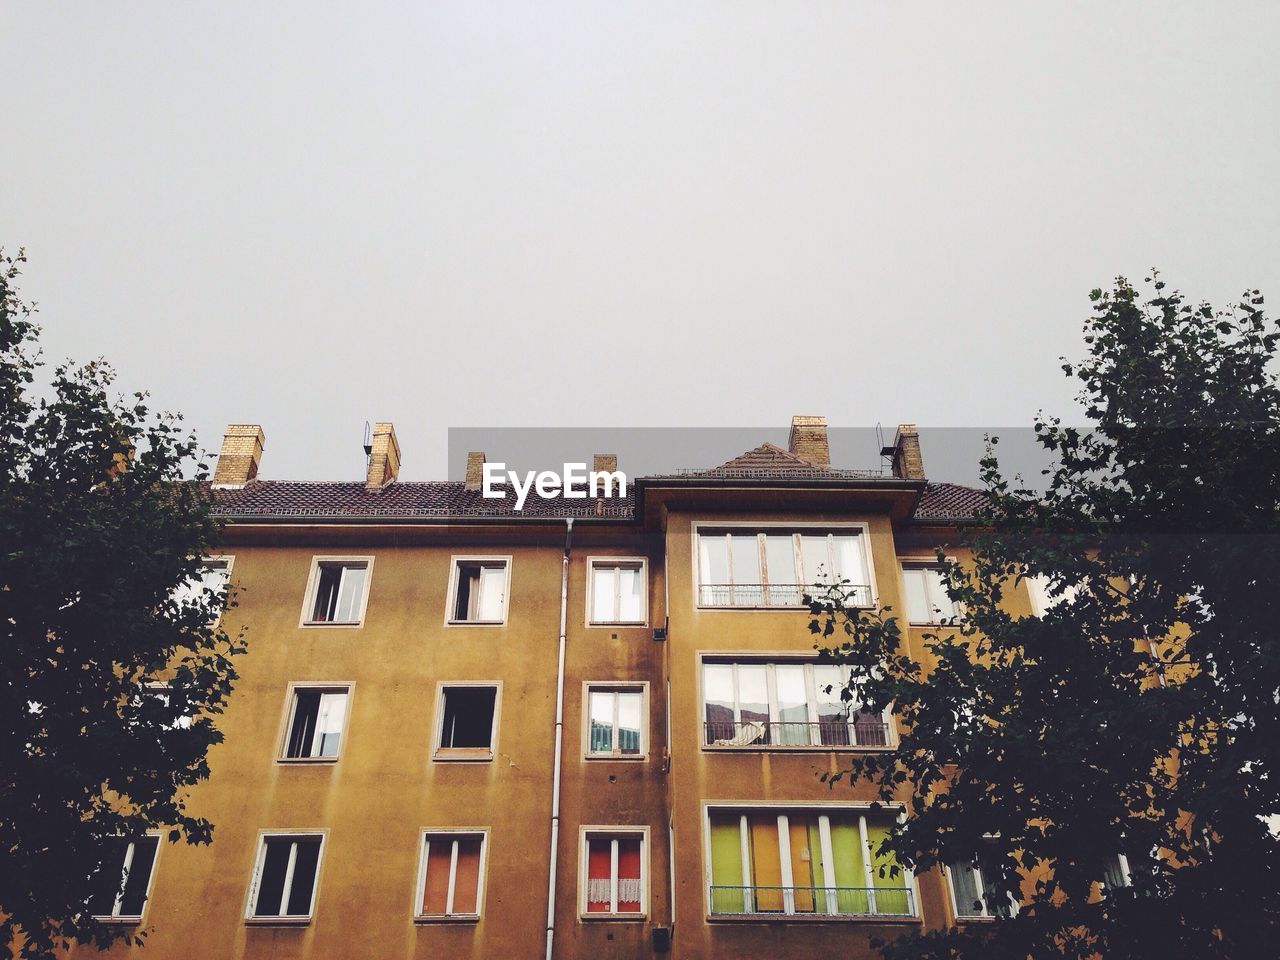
point(1138, 716)
point(101, 539)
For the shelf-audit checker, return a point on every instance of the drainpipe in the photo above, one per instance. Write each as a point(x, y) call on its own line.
point(555, 767)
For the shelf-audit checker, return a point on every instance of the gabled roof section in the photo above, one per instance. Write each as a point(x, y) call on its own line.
point(770, 462)
point(949, 502)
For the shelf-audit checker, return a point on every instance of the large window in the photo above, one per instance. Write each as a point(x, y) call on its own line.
point(450, 875)
point(753, 703)
point(124, 881)
point(284, 877)
point(617, 592)
point(214, 575)
point(741, 567)
point(468, 721)
point(616, 721)
point(478, 593)
point(926, 594)
point(338, 591)
point(317, 716)
point(614, 871)
point(792, 861)
point(969, 888)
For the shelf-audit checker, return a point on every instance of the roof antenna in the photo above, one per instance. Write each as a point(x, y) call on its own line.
point(368, 439)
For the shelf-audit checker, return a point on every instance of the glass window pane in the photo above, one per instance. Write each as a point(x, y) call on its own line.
point(941, 606)
point(851, 566)
point(599, 875)
point(793, 711)
point(815, 560)
point(913, 583)
point(753, 698)
point(327, 582)
point(964, 884)
point(304, 877)
point(602, 593)
point(745, 554)
point(601, 710)
point(833, 718)
point(349, 595)
point(493, 583)
point(629, 719)
point(466, 881)
point(630, 593)
point(630, 882)
point(713, 568)
point(717, 684)
point(780, 560)
point(108, 880)
point(333, 709)
point(134, 896)
point(306, 706)
point(271, 883)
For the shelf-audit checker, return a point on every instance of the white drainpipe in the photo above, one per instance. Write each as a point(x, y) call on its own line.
point(555, 767)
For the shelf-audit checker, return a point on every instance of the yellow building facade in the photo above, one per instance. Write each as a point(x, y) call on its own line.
point(587, 729)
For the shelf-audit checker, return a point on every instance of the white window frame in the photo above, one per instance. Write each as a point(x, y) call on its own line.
point(811, 701)
point(640, 563)
point(115, 916)
point(615, 686)
point(164, 689)
point(861, 528)
point(614, 831)
point(313, 582)
point(259, 861)
point(823, 809)
point(443, 754)
point(481, 879)
point(291, 706)
point(964, 916)
point(455, 568)
point(921, 563)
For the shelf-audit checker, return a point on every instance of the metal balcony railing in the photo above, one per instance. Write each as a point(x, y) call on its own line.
point(812, 901)
point(865, 730)
point(775, 595)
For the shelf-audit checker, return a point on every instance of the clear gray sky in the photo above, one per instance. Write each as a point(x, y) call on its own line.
point(636, 214)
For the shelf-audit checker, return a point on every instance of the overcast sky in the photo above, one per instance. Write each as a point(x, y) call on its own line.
point(633, 214)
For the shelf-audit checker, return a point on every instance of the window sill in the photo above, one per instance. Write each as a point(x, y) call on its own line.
point(304, 761)
point(977, 919)
point(799, 608)
point(277, 921)
point(780, 748)
point(332, 623)
point(462, 754)
point(626, 624)
point(456, 918)
point(119, 921)
point(810, 918)
point(594, 917)
point(622, 758)
point(477, 623)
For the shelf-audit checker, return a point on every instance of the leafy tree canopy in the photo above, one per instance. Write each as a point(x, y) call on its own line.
point(1138, 715)
point(101, 538)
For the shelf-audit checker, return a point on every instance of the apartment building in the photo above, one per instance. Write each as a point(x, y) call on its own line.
point(589, 728)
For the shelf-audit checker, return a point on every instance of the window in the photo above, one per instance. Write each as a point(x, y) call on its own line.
point(926, 594)
point(167, 698)
point(479, 591)
point(616, 721)
point(776, 568)
point(969, 885)
point(449, 875)
point(615, 871)
point(803, 862)
point(317, 716)
point(468, 721)
point(1043, 599)
point(124, 880)
point(1115, 872)
point(215, 573)
point(617, 592)
point(338, 591)
point(284, 877)
point(755, 703)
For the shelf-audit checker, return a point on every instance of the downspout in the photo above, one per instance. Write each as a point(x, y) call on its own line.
point(555, 767)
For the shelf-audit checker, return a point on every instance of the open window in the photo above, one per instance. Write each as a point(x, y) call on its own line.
point(617, 594)
point(478, 593)
point(317, 718)
point(925, 592)
point(971, 892)
point(468, 725)
point(284, 877)
point(123, 882)
point(614, 872)
point(451, 875)
point(616, 721)
point(338, 591)
point(214, 576)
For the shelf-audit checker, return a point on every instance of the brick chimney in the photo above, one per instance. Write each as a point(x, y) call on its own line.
point(907, 462)
point(604, 463)
point(809, 440)
point(384, 457)
point(241, 453)
point(475, 470)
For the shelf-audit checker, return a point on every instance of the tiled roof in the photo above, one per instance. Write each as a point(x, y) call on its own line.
point(949, 501)
point(430, 500)
point(769, 461)
point(443, 501)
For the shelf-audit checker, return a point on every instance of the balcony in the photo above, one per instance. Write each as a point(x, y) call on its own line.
point(816, 902)
point(866, 730)
point(775, 596)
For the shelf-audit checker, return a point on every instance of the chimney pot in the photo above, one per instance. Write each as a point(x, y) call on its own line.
point(242, 446)
point(809, 440)
point(384, 457)
point(475, 470)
